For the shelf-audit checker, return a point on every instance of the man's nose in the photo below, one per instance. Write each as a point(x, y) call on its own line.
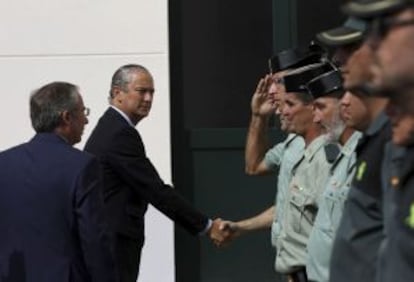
point(148, 96)
point(345, 99)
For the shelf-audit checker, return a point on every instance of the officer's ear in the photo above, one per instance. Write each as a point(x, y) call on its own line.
point(116, 94)
point(65, 118)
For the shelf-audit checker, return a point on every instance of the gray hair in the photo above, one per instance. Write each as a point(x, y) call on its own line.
point(48, 102)
point(122, 77)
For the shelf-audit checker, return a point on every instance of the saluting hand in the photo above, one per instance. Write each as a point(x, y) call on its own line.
point(262, 103)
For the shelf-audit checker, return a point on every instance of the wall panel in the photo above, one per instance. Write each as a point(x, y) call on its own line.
point(83, 42)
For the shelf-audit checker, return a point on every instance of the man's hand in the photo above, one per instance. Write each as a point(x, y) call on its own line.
point(224, 232)
point(234, 229)
point(262, 103)
point(218, 234)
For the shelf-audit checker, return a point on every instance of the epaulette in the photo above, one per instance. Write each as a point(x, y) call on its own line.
point(331, 152)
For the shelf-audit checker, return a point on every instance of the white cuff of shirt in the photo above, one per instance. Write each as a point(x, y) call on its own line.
point(207, 228)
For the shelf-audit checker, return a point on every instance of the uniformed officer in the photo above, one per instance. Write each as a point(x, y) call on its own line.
point(393, 33)
point(327, 91)
point(301, 203)
point(343, 40)
point(360, 233)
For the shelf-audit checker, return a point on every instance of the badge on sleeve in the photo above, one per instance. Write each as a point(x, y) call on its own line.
point(410, 218)
point(361, 170)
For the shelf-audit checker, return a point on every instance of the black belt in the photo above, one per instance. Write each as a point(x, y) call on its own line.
point(298, 276)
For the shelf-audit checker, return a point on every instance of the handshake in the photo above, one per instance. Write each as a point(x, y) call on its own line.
point(222, 232)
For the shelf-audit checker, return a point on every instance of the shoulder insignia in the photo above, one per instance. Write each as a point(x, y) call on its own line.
point(331, 152)
point(410, 219)
point(361, 170)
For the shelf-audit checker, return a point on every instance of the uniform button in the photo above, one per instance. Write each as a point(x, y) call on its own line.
point(395, 181)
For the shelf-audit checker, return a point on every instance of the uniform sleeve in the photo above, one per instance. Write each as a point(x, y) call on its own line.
point(273, 157)
point(94, 240)
point(321, 174)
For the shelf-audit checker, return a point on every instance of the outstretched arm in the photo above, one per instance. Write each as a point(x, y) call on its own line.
point(261, 221)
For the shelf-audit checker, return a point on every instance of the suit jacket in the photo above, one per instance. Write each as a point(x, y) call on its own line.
point(131, 181)
point(51, 214)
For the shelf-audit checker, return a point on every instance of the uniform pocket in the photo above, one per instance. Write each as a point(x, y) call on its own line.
point(302, 210)
point(335, 198)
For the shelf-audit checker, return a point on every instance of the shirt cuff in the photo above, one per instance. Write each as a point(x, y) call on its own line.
point(207, 228)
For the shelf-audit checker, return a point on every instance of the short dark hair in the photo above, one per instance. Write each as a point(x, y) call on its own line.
point(122, 76)
point(304, 97)
point(337, 94)
point(48, 102)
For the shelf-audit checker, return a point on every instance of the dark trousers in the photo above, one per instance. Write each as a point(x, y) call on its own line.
point(127, 253)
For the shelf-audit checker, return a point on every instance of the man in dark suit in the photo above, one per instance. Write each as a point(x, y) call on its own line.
point(50, 203)
point(130, 179)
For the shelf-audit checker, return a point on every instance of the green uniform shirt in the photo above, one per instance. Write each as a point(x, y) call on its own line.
point(330, 211)
point(284, 155)
point(300, 207)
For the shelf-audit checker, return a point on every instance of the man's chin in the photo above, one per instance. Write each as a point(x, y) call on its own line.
point(292, 129)
point(284, 127)
point(144, 113)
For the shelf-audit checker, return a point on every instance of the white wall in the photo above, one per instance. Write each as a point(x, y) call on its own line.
point(84, 42)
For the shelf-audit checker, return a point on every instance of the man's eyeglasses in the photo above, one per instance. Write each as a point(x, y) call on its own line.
point(86, 111)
